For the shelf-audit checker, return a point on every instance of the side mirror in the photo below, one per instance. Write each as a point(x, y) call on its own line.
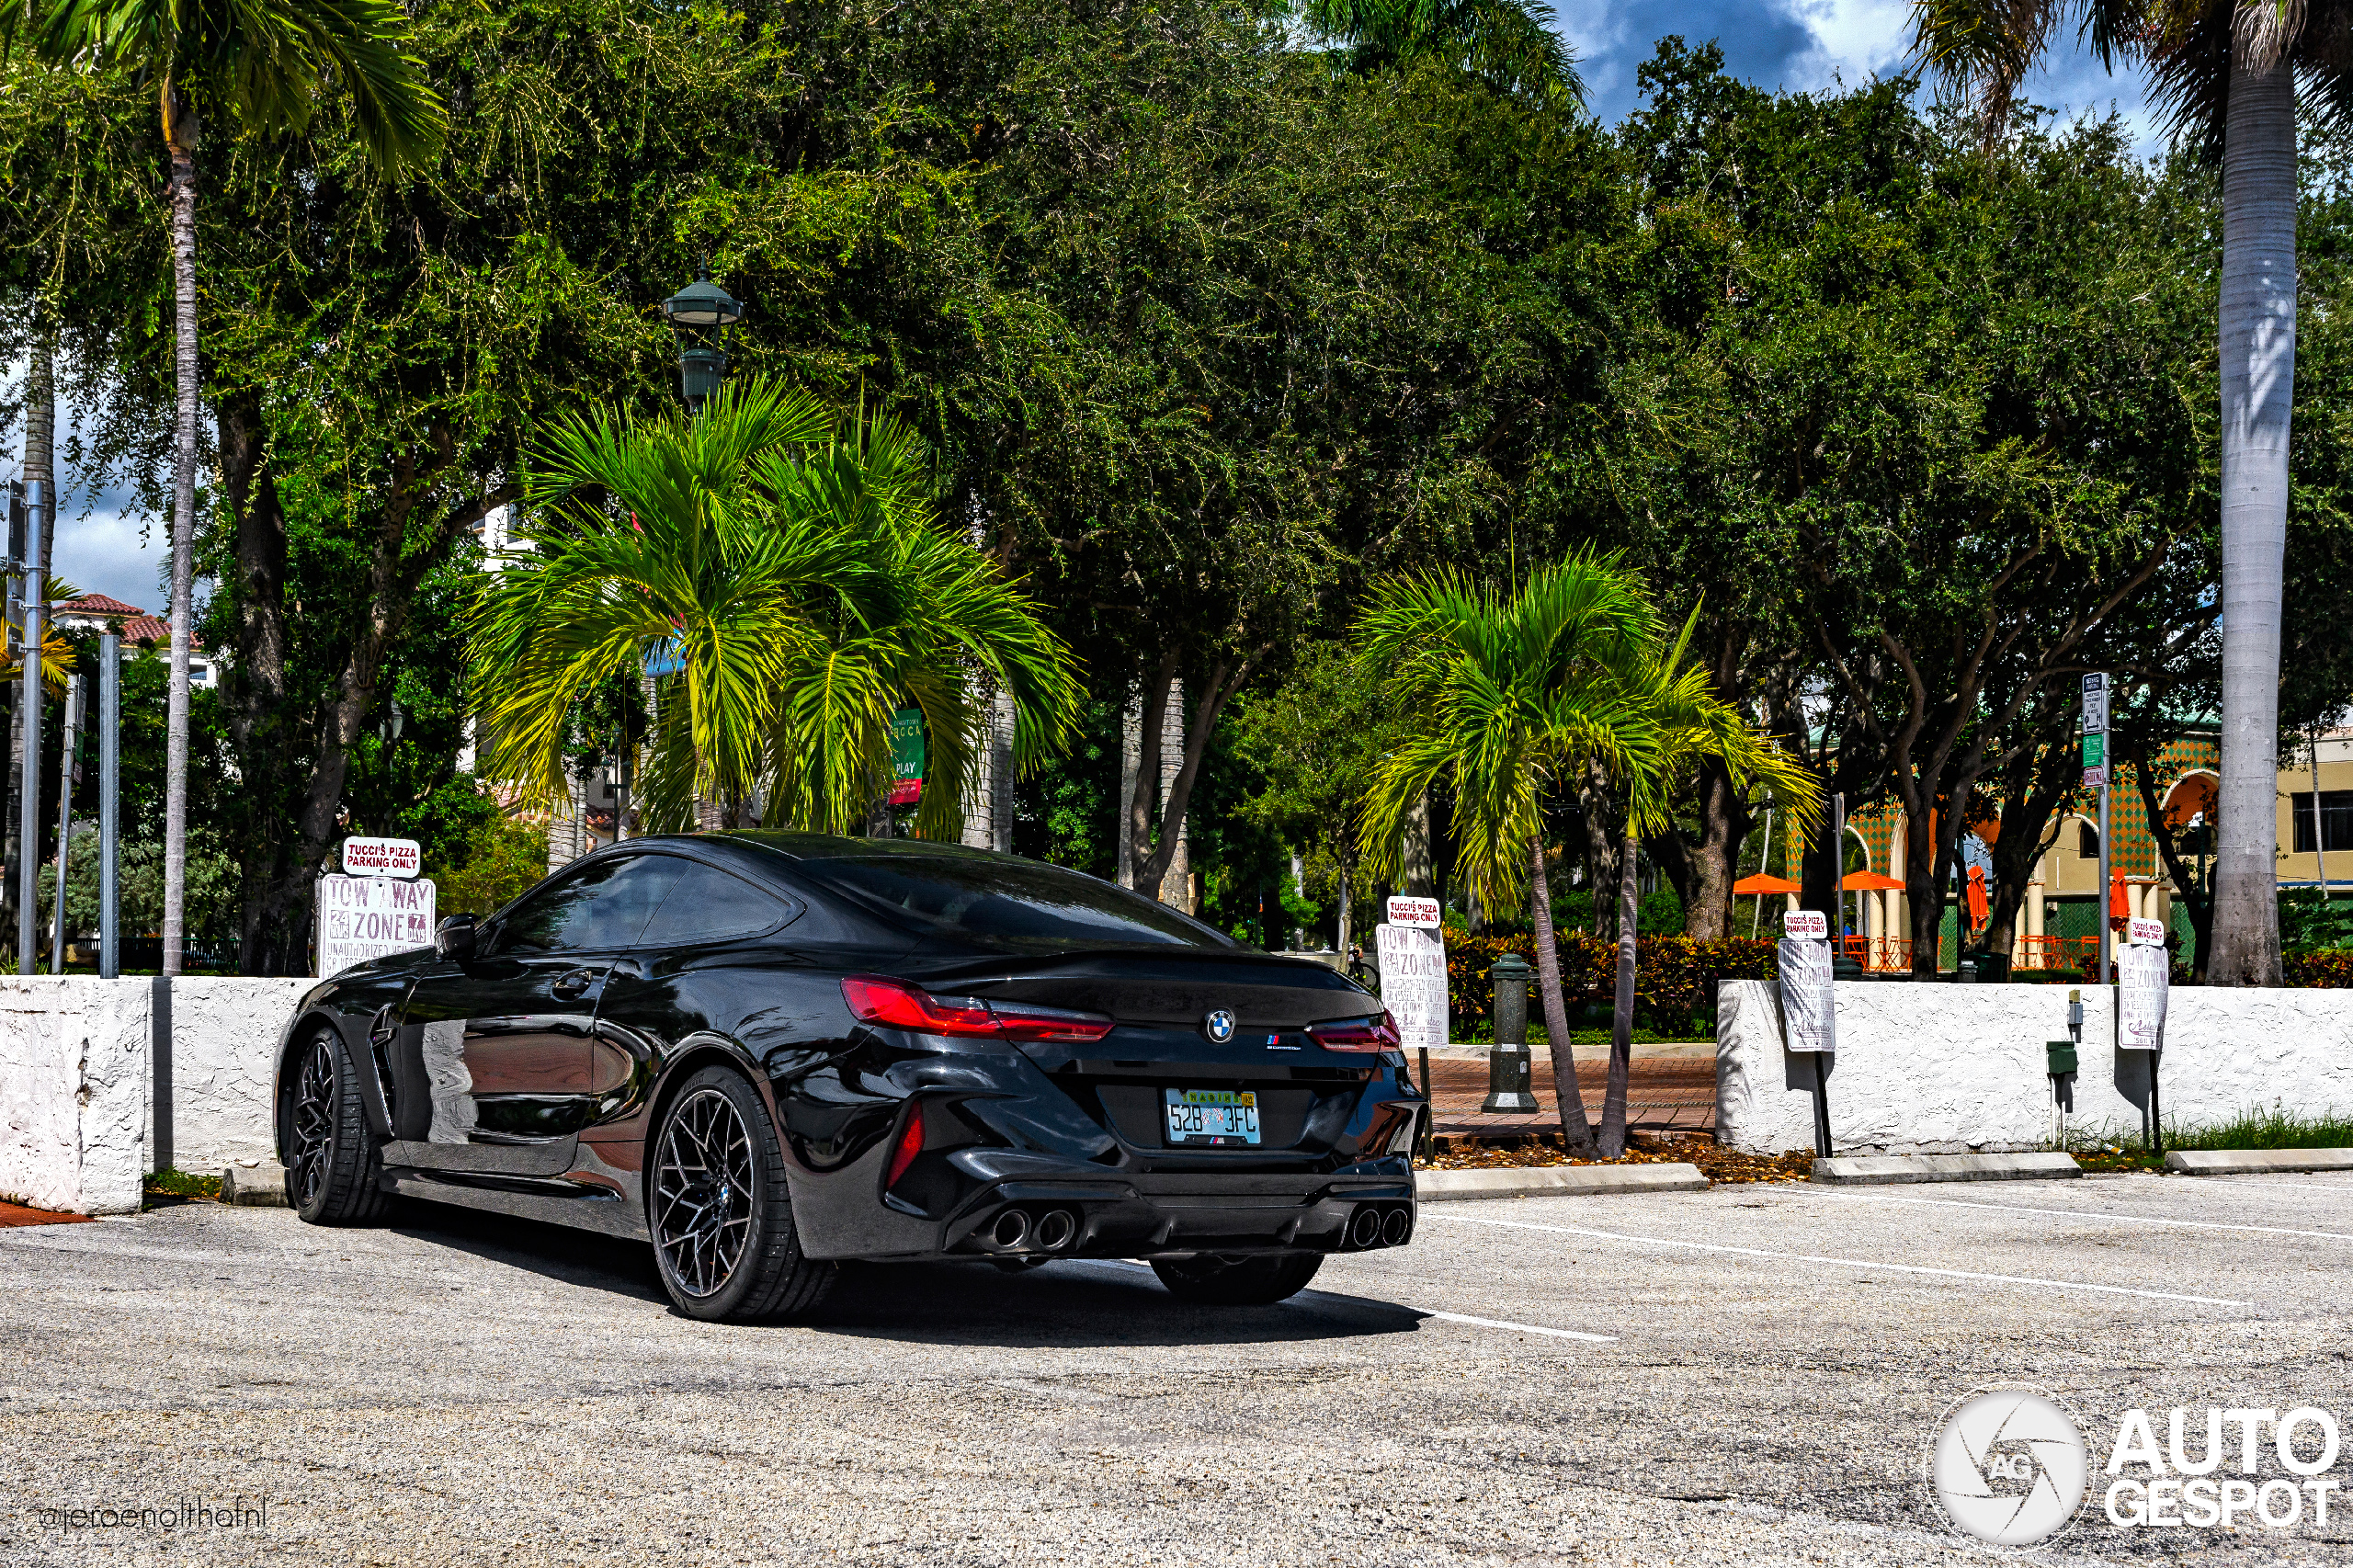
point(455, 938)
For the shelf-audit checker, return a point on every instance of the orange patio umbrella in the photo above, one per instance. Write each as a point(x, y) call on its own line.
point(1872, 881)
point(1977, 905)
point(1760, 884)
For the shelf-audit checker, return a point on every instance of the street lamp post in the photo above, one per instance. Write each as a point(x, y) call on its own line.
point(700, 315)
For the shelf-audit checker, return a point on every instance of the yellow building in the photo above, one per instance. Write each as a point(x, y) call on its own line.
point(2059, 923)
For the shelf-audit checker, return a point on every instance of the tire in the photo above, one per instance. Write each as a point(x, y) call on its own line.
point(718, 1210)
point(336, 1174)
point(1238, 1281)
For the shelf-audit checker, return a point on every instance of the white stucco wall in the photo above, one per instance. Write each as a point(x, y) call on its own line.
point(75, 1083)
point(224, 1061)
point(1950, 1069)
point(78, 1077)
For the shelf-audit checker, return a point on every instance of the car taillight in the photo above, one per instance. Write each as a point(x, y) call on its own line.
point(1049, 1023)
point(910, 1144)
point(877, 999)
point(1355, 1034)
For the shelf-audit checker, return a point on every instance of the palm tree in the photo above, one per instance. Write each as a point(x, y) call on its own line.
point(1694, 724)
point(1510, 699)
point(2225, 71)
point(265, 68)
point(1509, 43)
point(789, 558)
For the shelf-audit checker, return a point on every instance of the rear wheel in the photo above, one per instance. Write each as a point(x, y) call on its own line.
point(717, 1207)
point(334, 1174)
point(1238, 1281)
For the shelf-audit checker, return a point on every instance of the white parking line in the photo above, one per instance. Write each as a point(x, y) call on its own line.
point(1842, 1262)
point(1527, 1328)
point(2079, 1214)
point(1308, 1296)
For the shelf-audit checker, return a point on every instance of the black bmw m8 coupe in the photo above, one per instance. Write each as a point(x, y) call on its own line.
point(768, 1053)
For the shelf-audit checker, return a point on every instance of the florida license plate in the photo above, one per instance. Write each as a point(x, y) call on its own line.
point(1212, 1115)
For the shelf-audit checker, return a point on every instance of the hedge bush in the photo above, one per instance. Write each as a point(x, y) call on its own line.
point(1674, 977)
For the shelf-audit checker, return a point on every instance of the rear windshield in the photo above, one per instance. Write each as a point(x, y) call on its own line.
point(1018, 901)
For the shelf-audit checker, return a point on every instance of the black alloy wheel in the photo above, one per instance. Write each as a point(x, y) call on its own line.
point(720, 1218)
point(702, 1192)
point(1237, 1281)
point(336, 1176)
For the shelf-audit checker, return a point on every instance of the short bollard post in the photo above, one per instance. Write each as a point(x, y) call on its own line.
point(1509, 1089)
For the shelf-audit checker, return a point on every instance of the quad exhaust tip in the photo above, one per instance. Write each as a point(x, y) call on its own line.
point(1011, 1231)
point(1378, 1226)
point(1396, 1227)
point(1057, 1229)
point(1364, 1226)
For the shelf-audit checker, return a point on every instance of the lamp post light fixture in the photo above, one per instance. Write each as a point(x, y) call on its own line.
point(700, 315)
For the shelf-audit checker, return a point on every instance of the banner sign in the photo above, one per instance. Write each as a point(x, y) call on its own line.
point(381, 858)
point(1419, 912)
point(1811, 923)
point(366, 917)
point(906, 757)
point(2095, 732)
point(2143, 975)
point(1412, 982)
point(1809, 1005)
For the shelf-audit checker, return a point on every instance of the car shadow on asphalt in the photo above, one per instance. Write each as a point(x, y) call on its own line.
point(1071, 1304)
point(1077, 1304)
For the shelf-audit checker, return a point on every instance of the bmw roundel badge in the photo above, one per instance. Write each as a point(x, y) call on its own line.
point(1218, 1026)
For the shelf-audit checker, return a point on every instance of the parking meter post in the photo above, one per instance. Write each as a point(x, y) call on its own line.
point(1510, 1086)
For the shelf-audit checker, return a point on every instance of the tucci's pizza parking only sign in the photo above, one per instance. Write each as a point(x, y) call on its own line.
point(381, 858)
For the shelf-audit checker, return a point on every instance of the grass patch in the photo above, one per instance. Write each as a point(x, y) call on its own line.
point(2278, 1127)
point(167, 1187)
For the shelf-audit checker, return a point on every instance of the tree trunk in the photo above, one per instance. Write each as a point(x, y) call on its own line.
point(1414, 854)
point(1574, 1126)
point(1621, 1022)
point(2259, 349)
point(1725, 821)
point(1151, 860)
point(180, 135)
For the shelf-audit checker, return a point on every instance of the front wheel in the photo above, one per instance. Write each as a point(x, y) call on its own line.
point(334, 1173)
point(721, 1219)
point(1238, 1281)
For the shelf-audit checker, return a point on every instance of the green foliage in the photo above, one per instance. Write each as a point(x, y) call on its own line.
point(1674, 977)
point(793, 562)
point(212, 887)
point(2310, 921)
point(495, 862)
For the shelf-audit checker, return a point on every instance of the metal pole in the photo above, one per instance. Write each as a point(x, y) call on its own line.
point(1822, 1147)
point(28, 700)
point(68, 760)
point(1764, 863)
point(109, 782)
point(2100, 902)
point(2320, 846)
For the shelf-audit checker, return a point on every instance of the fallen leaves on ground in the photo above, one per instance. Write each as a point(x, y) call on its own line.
point(1716, 1163)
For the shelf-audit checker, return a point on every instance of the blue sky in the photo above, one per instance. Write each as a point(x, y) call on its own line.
point(1799, 45)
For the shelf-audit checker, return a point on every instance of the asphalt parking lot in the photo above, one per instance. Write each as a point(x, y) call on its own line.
point(1749, 1375)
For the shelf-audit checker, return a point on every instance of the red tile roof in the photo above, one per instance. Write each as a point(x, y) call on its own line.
point(147, 629)
point(99, 604)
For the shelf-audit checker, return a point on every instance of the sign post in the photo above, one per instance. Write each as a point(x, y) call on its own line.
point(31, 603)
point(2098, 770)
point(1810, 1007)
point(1413, 972)
point(2143, 977)
point(366, 917)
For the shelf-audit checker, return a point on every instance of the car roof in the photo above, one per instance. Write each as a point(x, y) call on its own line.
point(826, 847)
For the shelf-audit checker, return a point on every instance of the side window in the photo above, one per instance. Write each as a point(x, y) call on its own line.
point(707, 905)
point(605, 906)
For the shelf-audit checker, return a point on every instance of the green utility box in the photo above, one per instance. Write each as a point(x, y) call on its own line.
point(2062, 1056)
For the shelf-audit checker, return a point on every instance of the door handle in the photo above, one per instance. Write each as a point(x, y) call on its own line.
point(574, 984)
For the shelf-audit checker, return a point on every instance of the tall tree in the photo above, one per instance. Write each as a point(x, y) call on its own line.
point(2225, 71)
point(266, 70)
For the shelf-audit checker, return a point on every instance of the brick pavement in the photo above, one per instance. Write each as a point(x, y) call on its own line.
point(1663, 1093)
